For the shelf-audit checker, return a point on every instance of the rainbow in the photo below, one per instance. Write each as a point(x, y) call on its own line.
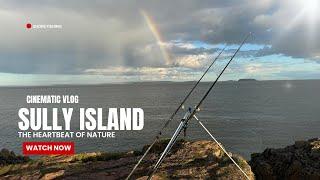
point(157, 35)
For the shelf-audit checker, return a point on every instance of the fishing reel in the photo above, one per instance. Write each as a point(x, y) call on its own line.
point(182, 107)
point(185, 130)
point(186, 123)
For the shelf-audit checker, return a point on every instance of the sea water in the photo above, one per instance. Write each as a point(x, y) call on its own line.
point(245, 117)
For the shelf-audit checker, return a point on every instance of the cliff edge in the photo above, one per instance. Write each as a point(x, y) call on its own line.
point(187, 160)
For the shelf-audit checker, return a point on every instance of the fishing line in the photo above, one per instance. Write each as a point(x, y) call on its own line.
point(191, 114)
point(173, 114)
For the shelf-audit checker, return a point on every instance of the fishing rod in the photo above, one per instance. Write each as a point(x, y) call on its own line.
point(173, 114)
point(190, 114)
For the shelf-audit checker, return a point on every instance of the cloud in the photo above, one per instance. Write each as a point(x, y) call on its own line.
point(191, 61)
point(254, 68)
point(111, 37)
point(143, 73)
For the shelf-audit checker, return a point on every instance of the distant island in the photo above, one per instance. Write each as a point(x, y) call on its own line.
point(247, 80)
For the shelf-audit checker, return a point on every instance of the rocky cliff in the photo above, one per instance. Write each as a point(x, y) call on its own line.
point(187, 160)
point(298, 161)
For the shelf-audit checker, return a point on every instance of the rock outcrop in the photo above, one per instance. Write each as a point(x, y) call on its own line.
point(298, 161)
point(9, 157)
point(187, 160)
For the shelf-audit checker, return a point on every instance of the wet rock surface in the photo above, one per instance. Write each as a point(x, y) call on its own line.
point(298, 161)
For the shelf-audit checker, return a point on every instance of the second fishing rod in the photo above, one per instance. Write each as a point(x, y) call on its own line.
point(173, 114)
point(190, 114)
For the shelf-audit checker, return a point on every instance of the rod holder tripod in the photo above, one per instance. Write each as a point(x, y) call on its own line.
point(234, 162)
point(173, 139)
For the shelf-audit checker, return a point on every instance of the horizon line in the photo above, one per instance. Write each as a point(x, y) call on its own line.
point(133, 82)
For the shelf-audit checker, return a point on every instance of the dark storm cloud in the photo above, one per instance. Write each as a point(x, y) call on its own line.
point(100, 34)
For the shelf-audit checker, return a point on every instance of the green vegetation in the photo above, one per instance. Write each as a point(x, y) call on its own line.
point(106, 156)
point(241, 162)
point(83, 157)
point(103, 156)
point(161, 144)
point(9, 157)
point(5, 169)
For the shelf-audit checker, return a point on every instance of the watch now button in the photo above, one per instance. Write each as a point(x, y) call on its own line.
point(48, 148)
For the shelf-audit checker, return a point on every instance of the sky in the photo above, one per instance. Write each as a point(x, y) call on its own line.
point(102, 41)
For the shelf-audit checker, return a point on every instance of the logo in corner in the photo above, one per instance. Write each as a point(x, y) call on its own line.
point(28, 25)
point(43, 26)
